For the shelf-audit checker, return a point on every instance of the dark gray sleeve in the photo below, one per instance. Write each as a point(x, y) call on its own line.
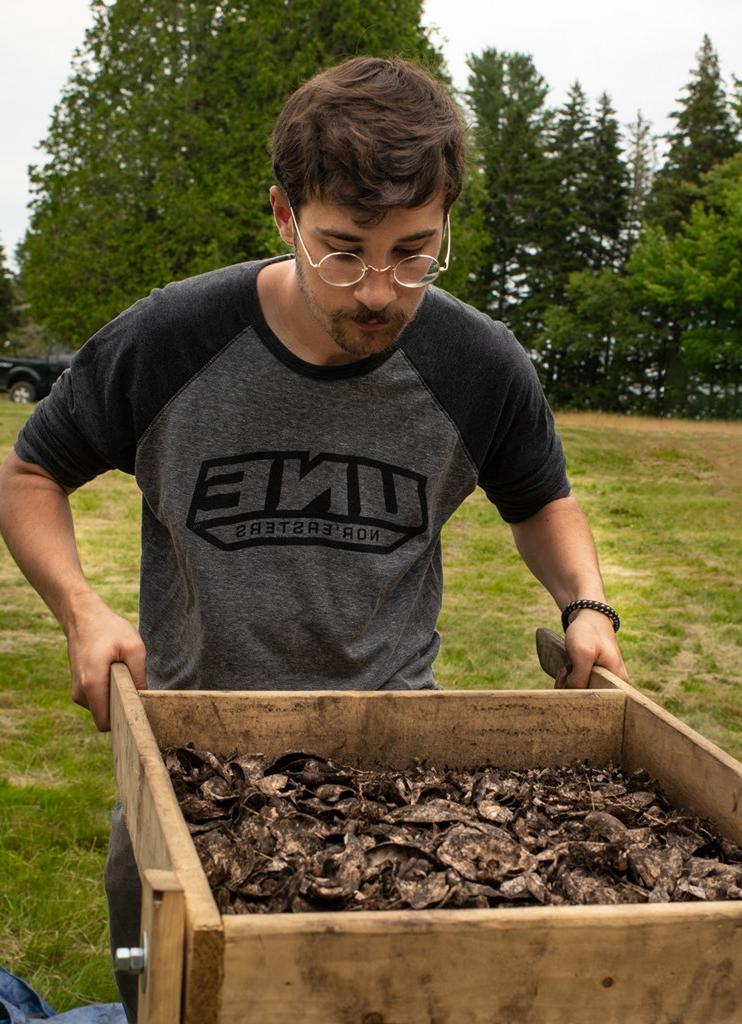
point(126, 373)
point(86, 426)
point(524, 467)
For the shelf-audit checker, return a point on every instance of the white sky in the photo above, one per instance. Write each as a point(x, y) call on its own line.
point(639, 51)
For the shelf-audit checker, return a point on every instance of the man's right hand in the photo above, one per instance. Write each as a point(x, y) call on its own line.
point(96, 637)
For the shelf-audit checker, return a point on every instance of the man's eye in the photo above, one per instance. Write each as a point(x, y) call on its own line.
point(402, 253)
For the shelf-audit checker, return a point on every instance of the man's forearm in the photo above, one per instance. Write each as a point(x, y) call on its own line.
point(36, 524)
point(557, 546)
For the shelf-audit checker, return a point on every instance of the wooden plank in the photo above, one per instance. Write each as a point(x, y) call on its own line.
point(163, 924)
point(161, 839)
point(459, 728)
point(134, 760)
point(695, 773)
point(659, 964)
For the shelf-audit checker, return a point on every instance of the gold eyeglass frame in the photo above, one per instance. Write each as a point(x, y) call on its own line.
point(379, 270)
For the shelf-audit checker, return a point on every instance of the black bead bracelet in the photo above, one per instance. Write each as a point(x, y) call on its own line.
point(595, 606)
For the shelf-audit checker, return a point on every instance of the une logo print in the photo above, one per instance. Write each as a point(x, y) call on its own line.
point(287, 497)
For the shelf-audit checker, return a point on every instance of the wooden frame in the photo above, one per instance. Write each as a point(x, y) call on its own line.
point(639, 964)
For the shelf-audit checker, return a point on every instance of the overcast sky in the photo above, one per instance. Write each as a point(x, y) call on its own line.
point(639, 51)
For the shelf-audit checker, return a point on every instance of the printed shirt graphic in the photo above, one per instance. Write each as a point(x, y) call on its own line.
point(292, 498)
point(291, 513)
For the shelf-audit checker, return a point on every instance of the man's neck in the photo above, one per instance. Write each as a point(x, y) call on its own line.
point(287, 316)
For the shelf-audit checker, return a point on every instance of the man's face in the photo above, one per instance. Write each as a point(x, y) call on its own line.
point(366, 318)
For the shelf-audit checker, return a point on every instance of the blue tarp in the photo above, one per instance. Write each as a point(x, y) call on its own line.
point(19, 1004)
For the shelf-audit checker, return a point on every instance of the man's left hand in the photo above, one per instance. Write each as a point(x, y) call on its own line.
point(591, 642)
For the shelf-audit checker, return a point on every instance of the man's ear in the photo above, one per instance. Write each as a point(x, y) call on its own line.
point(282, 214)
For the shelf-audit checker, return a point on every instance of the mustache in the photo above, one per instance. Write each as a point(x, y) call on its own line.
point(366, 316)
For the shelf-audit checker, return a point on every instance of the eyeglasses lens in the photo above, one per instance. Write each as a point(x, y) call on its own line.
point(416, 270)
point(341, 268)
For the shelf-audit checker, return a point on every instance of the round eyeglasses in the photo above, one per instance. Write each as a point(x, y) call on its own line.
point(344, 269)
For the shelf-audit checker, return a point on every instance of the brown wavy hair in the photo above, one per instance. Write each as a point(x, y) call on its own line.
point(371, 134)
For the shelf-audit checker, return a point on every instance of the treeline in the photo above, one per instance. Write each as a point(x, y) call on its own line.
point(623, 280)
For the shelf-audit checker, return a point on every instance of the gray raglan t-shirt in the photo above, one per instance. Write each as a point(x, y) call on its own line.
point(291, 513)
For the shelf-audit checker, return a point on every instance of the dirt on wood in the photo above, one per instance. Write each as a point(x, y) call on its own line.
point(302, 832)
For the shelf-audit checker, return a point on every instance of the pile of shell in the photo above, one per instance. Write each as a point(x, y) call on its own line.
point(304, 833)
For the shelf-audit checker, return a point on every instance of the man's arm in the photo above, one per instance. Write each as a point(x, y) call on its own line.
point(557, 546)
point(36, 523)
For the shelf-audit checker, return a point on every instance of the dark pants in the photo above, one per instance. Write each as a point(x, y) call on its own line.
point(124, 892)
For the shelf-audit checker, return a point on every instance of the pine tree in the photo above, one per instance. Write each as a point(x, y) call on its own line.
point(470, 239)
point(506, 94)
point(642, 162)
point(605, 207)
point(564, 244)
point(158, 149)
point(736, 103)
point(585, 210)
point(705, 134)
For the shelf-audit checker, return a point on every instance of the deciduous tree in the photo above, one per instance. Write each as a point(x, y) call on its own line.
point(694, 282)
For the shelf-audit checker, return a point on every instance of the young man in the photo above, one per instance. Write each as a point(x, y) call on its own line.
point(301, 428)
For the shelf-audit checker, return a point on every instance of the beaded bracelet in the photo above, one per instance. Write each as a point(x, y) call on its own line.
point(595, 606)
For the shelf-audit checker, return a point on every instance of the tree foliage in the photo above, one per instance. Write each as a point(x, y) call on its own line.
point(506, 95)
point(583, 226)
point(706, 132)
point(695, 280)
point(641, 160)
point(158, 149)
point(597, 333)
point(659, 333)
point(8, 303)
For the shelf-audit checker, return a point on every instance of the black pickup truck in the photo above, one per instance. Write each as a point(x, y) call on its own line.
point(28, 380)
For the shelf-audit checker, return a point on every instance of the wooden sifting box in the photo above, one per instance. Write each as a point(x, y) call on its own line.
point(675, 963)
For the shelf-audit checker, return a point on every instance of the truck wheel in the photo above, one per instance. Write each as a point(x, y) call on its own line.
point(22, 391)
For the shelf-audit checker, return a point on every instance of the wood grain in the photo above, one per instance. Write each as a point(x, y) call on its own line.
point(695, 773)
point(163, 922)
point(513, 728)
point(562, 965)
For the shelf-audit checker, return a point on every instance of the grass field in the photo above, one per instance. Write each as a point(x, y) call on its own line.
point(663, 499)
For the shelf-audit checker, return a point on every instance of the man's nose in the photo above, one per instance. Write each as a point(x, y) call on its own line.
point(376, 290)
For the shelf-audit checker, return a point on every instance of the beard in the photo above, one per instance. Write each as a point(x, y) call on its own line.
point(346, 328)
point(343, 329)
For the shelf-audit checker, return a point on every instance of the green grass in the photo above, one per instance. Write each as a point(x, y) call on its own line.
point(663, 499)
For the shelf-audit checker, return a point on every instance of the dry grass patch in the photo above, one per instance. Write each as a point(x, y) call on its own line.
point(615, 421)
